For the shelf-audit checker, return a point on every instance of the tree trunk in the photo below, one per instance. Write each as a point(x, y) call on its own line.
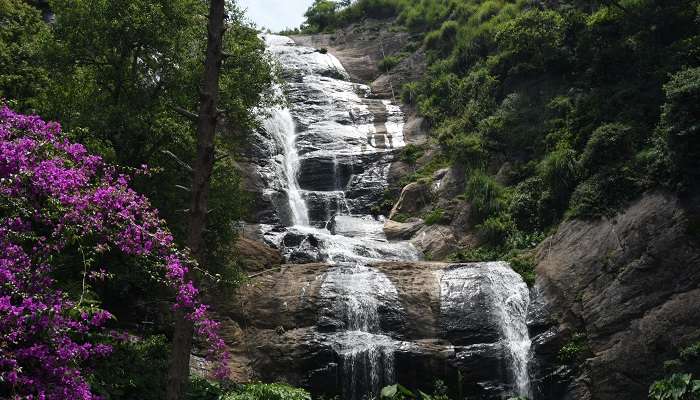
point(178, 374)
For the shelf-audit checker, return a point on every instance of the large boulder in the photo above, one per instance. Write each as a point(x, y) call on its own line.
point(435, 241)
point(402, 230)
point(256, 255)
point(414, 197)
point(630, 285)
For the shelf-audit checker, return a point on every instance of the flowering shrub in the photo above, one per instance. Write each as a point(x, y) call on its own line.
point(54, 198)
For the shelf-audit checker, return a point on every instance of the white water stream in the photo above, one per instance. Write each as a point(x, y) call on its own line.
point(335, 159)
point(281, 126)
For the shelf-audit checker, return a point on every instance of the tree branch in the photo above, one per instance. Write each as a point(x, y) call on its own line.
point(177, 160)
point(186, 113)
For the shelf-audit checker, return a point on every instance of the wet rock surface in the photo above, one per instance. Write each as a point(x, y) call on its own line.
point(335, 319)
point(289, 326)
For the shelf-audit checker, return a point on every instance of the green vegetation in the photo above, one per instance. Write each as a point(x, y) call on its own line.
point(389, 62)
point(400, 392)
point(411, 153)
point(436, 216)
point(574, 350)
point(590, 103)
point(680, 384)
point(124, 79)
point(676, 387)
point(123, 74)
point(328, 15)
point(201, 389)
point(137, 364)
point(262, 391)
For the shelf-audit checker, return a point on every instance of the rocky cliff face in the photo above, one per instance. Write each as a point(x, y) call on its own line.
point(629, 287)
point(440, 323)
point(614, 298)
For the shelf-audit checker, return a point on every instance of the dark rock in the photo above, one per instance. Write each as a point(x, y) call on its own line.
point(631, 284)
point(410, 69)
point(285, 330)
point(452, 182)
point(482, 366)
point(323, 173)
point(398, 170)
point(322, 206)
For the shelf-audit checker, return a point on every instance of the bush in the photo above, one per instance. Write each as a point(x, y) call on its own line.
point(675, 387)
point(484, 194)
point(409, 93)
point(321, 16)
point(524, 264)
point(603, 194)
point(560, 172)
point(399, 217)
point(268, 391)
point(436, 216)
point(609, 145)
point(411, 153)
point(479, 254)
point(468, 150)
point(496, 229)
point(680, 122)
point(444, 39)
point(530, 205)
point(532, 42)
point(136, 369)
point(574, 349)
point(202, 389)
point(389, 62)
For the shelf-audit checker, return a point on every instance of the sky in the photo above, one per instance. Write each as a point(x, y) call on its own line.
point(276, 14)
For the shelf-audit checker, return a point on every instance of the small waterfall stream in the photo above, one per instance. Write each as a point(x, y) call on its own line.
point(281, 126)
point(337, 145)
point(508, 299)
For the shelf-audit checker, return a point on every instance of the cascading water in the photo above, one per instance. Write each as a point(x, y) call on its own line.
point(341, 138)
point(356, 293)
point(281, 126)
point(507, 296)
point(337, 145)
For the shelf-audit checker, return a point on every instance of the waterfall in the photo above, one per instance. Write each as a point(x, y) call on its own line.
point(337, 144)
point(356, 293)
point(281, 126)
point(503, 292)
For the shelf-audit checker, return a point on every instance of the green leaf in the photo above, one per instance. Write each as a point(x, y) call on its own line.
point(405, 391)
point(389, 392)
point(695, 387)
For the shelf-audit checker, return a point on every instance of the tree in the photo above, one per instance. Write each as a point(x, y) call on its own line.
point(679, 121)
point(63, 209)
point(22, 32)
point(178, 375)
point(321, 15)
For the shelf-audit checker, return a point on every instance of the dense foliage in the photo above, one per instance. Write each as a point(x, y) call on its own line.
point(554, 109)
point(119, 76)
point(123, 78)
point(57, 201)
